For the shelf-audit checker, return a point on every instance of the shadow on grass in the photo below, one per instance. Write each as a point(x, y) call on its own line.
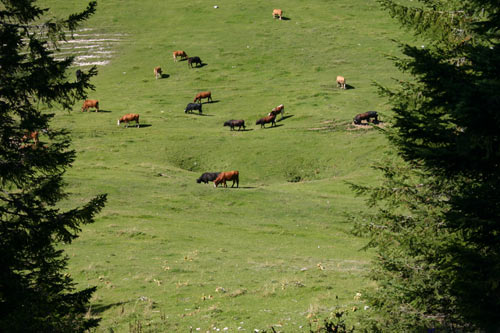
point(285, 117)
point(100, 308)
point(104, 111)
point(237, 188)
point(140, 126)
point(243, 130)
point(198, 66)
point(348, 86)
point(273, 126)
point(201, 114)
point(165, 76)
point(284, 18)
point(211, 102)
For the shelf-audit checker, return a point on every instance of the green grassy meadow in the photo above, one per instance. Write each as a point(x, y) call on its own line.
point(167, 253)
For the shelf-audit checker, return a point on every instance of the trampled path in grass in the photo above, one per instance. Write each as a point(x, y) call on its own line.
point(170, 254)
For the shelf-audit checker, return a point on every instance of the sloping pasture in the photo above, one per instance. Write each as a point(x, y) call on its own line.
point(168, 254)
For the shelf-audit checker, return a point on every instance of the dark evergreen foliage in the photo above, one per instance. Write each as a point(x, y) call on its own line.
point(436, 229)
point(35, 293)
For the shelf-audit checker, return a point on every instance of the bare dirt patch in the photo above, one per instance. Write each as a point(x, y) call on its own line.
point(335, 125)
point(91, 48)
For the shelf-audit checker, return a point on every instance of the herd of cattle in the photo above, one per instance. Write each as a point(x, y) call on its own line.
point(216, 177)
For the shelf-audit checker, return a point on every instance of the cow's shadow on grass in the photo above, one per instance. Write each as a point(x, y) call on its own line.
point(165, 76)
point(284, 18)
point(140, 126)
point(236, 188)
point(100, 308)
point(348, 87)
point(243, 130)
point(201, 114)
point(285, 117)
point(272, 126)
point(211, 102)
point(104, 111)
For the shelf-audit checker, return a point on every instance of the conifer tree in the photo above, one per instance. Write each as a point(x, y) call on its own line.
point(36, 295)
point(436, 226)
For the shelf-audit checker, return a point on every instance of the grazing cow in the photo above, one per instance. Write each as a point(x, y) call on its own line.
point(341, 82)
point(277, 12)
point(33, 135)
point(366, 116)
point(225, 176)
point(157, 72)
point(181, 54)
point(194, 60)
point(233, 123)
point(128, 118)
point(90, 103)
point(203, 94)
point(266, 120)
point(207, 177)
point(78, 75)
point(192, 107)
point(280, 109)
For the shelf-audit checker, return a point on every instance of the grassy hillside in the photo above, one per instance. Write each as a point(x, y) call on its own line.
point(172, 254)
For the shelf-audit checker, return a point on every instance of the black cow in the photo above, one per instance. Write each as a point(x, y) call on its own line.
point(194, 60)
point(78, 75)
point(366, 116)
point(207, 177)
point(233, 123)
point(192, 107)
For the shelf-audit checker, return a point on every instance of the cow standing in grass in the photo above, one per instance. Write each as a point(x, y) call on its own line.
point(277, 13)
point(90, 103)
point(157, 72)
point(180, 54)
point(207, 177)
point(193, 107)
point(235, 123)
point(204, 94)
point(128, 118)
point(280, 109)
point(266, 120)
point(226, 176)
point(194, 60)
point(368, 116)
point(341, 82)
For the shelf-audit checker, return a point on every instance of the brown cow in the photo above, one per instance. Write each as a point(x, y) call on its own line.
point(33, 136)
point(204, 94)
point(277, 110)
point(181, 54)
point(128, 118)
point(266, 120)
point(225, 176)
point(341, 82)
point(90, 103)
point(277, 12)
point(30, 136)
point(157, 72)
